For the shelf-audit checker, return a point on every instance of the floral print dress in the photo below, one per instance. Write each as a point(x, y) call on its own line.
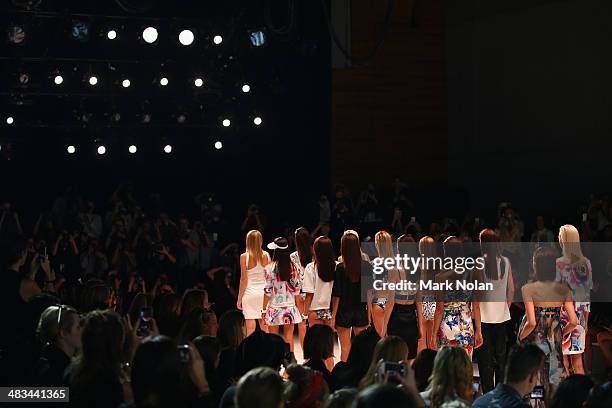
point(547, 335)
point(281, 305)
point(456, 327)
point(580, 280)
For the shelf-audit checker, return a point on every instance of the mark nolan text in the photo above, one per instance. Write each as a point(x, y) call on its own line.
point(405, 285)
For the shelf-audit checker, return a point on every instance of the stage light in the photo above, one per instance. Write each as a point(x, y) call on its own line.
point(257, 121)
point(101, 149)
point(58, 79)
point(149, 35)
point(257, 38)
point(218, 145)
point(10, 120)
point(217, 39)
point(163, 81)
point(146, 118)
point(16, 34)
point(226, 122)
point(246, 88)
point(198, 82)
point(125, 83)
point(168, 148)
point(132, 149)
point(111, 34)
point(93, 80)
point(80, 31)
point(116, 117)
point(71, 149)
point(186, 37)
point(181, 118)
point(24, 79)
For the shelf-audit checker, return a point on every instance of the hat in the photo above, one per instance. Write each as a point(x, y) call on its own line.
point(278, 243)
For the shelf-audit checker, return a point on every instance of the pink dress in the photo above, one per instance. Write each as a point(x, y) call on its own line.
point(281, 305)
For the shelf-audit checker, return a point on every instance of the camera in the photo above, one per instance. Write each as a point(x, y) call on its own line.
point(386, 367)
point(183, 352)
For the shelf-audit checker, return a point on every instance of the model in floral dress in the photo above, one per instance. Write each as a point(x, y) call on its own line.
point(456, 327)
point(548, 336)
point(281, 305)
point(579, 278)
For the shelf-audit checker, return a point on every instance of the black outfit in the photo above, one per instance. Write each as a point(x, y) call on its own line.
point(103, 390)
point(352, 311)
point(503, 396)
point(492, 354)
point(51, 367)
point(403, 322)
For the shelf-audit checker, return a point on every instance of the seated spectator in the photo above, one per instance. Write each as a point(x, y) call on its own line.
point(232, 330)
point(167, 309)
point(423, 367)
point(208, 347)
point(140, 301)
point(163, 377)
point(572, 392)
point(59, 332)
point(384, 395)
point(451, 379)
point(522, 370)
point(306, 387)
point(348, 374)
point(261, 387)
point(318, 347)
point(95, 376)
point(194, 299)
point(341, 399)
point(600, 396)
point(392, 349)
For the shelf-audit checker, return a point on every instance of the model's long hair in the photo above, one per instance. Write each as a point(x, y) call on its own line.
point(428, 249)
point(451, 377)
point(303, 246)
point(254, 242)
point(384, 244)
point(351, 256)
point(489, 244)
point(390, 348)
point(282, 259)
point(324, 258)
point(569, 239)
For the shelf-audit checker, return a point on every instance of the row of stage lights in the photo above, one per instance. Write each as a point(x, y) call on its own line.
point(257, 121)
point(132, 149)
point(80, 30)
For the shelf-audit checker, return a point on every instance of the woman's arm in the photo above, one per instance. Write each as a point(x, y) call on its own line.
point(571, 314)
point(510, 287)
point(244, 280)
point(477, 324)
point(530, 324)
point(437, 319)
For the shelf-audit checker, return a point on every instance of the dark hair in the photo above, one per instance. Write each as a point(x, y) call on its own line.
point(96, 297)
point(453, 247)
point(49, 328)
point(572, 392)
point(166, 309)
point(359, 358)
point(193, 299)
point(259, 349)
point(102, 339)
point(193, 326)
point(351, 256)
point(318, 342)
point(305, 387)
point(341, 398)
point(384, 395)
point(231, 329)
point(157, 373)
point(545, 264)
point(600, 396)
point(209, 349)
point(261, 387)
point(489, 244)
point(303, 245)
point(281, 257)
point(324, 258)
point(423, 367)
point(523, 360)
point(141, 300)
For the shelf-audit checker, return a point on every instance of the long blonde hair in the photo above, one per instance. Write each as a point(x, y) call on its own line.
point(427, 248)
point(451, 377)
point(384, 244)
point(569, 239)
point(391, 348)
point(254, 241)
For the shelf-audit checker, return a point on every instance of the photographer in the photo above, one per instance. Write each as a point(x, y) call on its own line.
point(93, 260)
point(253, 219)
point(10, 226)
